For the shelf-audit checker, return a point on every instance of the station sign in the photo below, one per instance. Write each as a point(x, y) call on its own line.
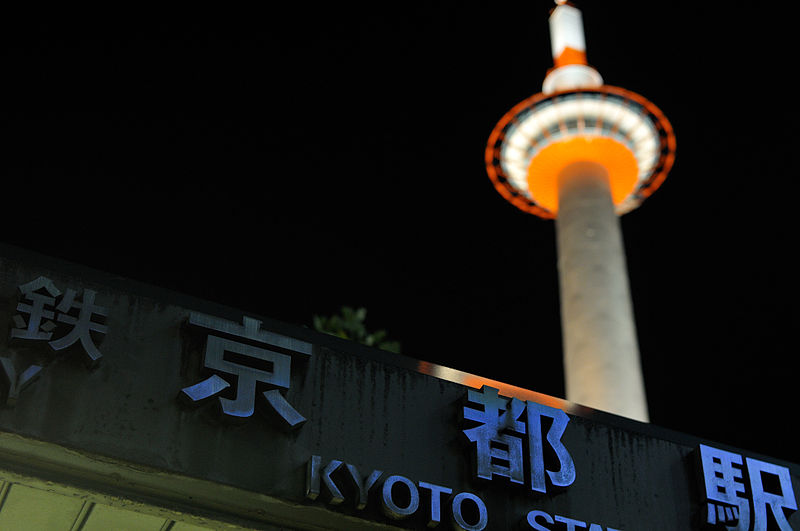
point(309, 430)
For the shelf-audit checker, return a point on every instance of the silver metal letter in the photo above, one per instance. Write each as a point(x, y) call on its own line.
point(314, 474)
point(493, 447)
point(250, 329)
point(459, 524)
point(336, 495)
point(82, 324)
point(723, 478)
point(17, 383)
point(312, 477)
point(283, 408)
point(364, 485)
point(33, 329)
point(244, 403)
point(436, 501)
point(572, 525)
point(778, 502)
point(275, 367)
point(390, 508)
point(205, 389)
point(537, 526)
point(565, 475)
point(598, 527)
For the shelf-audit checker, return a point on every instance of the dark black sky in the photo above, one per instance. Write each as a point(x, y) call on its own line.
point(289, 162)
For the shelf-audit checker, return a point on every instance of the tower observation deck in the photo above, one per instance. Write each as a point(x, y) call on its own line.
point(583, 153)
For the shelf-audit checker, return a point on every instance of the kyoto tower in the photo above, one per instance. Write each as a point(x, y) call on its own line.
point(583, 153)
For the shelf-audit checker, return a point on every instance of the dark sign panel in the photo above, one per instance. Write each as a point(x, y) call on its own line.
point(118, 388)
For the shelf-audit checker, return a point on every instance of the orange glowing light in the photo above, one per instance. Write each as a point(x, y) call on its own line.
point(542, 200)
point(506, 390)
point(547, 164)
point(570, 56)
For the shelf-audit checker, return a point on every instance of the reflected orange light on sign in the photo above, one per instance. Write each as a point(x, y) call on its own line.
point(507, 390)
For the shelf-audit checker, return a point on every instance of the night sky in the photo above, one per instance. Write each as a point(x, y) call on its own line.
point(290, 162)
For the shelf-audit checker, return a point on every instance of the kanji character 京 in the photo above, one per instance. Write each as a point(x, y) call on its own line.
point(248, 364)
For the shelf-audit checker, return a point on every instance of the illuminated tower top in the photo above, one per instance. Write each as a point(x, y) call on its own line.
point(584, 152)
point(578, 118)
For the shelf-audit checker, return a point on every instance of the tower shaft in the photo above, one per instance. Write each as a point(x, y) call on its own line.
point(601, 355)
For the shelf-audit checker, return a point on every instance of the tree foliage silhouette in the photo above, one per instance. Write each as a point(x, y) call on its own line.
point(349, 324)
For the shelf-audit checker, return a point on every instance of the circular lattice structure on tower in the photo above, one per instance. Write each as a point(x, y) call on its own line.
point(614, 127)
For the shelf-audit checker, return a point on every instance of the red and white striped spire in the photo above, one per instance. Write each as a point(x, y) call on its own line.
point(568, 44)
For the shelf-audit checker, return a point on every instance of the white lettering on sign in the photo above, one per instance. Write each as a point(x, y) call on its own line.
point(399, 496)
point(45, 305)
point(499, 444)
point(542, 521)
point(249, 357)
point(60, 319)
point(730, 502)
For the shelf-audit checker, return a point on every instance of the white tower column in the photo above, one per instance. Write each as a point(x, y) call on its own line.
point(601, 354)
